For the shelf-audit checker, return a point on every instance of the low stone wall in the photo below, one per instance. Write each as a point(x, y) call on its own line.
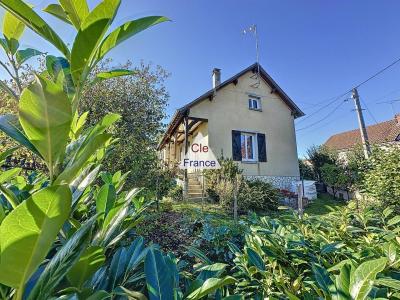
point(280, 182)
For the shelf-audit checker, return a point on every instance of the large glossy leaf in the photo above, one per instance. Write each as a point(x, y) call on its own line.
point(105, 199)
point(158, 279)
point(10, 196)
point(9, 174)
point(80, 161)
point(89, 37)
point(28, 232)
point(91, 259)
point(45, 114)
point(9, 124)
point(132, 295)
point(111, 74)
point(60, 72)
point(62, 262)
point(83, 184)
point(31, 19)
point(118, 267)
point(389, 282)
point(255, 259)
point(23, 55)
point(4, 45)
point(343, 282)
point(361, 280)
point(13, 29)
point(57, 11)
point(126, 31)
point(77, 11)
point(324, 281)
point(210, 286)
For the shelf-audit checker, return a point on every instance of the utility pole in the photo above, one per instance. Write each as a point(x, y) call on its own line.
point(361, 123)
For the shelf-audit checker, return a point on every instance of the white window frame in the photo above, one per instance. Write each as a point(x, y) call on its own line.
point(252, 100)
point(254, 145)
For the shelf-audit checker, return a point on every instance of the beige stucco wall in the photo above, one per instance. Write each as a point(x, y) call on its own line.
point(229, 111)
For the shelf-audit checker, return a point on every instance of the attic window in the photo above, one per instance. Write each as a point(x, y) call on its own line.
point(254, 103)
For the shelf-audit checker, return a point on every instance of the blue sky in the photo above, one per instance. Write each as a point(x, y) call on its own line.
point(315, 50)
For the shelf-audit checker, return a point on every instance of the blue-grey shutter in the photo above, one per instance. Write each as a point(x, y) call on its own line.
point(262, 147)
point(236, 146)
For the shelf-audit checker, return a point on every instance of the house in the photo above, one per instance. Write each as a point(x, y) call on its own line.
point(384, 134)
point(248, 118)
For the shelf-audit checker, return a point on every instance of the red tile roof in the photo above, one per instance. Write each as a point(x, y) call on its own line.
point(385, 132)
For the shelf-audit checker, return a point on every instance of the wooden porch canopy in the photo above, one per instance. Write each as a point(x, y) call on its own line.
point(181, 117)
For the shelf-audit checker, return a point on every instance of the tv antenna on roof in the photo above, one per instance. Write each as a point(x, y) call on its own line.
point(253, 30)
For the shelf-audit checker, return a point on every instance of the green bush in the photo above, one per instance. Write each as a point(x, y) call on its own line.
point(382, 177)
point(176, 193)
point(257, 195)
point(222, 182)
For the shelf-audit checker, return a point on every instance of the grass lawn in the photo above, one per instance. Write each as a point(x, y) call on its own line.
point(324, 204)
point(194, 210)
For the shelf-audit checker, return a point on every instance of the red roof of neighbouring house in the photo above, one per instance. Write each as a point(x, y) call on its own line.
point(380, 133)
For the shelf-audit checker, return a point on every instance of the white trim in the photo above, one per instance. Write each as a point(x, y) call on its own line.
point(253, 99)
point(246, 134)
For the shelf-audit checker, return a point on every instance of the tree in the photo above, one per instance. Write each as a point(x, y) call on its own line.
point(335, 176)
point(319, 156)
point(306, 171)
point(382, 177)
point(141, 99)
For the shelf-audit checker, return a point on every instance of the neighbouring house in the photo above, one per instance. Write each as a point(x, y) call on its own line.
point(248, 118)
point(383, 135)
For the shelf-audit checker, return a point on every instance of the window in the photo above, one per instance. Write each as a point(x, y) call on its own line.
point(248, 146)
point(254, 103)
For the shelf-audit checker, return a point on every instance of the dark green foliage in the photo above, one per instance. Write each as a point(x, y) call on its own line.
point(176, 193)
point(382, 177)
point(141, 100)
point(306, 171)
point(257, 195)
point(318, 156)
point(336, 176)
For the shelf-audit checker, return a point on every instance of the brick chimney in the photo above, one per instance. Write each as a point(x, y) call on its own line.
point(397, 118)
point(216, 77)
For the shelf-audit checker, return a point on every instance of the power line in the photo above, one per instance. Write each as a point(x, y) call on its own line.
point(369, 111)
point(328, 115)
point(331, 121)
point(378, 73)
point(345, 93)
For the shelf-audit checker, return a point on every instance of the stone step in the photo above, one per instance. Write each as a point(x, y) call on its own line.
point(195, 194)
point(196, 199)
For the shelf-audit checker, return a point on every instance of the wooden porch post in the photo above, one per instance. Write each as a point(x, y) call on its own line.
point(186, 148)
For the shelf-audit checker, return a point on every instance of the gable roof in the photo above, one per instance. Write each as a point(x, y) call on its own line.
point(384, 132)
point(184, 110)
point(264, 75)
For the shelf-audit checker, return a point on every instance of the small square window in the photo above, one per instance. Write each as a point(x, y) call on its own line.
point(254, 103)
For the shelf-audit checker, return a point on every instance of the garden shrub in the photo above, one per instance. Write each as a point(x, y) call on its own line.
point(176, 193)
point(382, 177)
point(257, 195)
point(221, 182)
point(254, 195)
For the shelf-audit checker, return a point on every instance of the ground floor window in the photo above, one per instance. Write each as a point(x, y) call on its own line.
point(248, 146)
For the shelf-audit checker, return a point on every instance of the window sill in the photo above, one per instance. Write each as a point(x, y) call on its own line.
point(250, 161)
point(255, 109)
